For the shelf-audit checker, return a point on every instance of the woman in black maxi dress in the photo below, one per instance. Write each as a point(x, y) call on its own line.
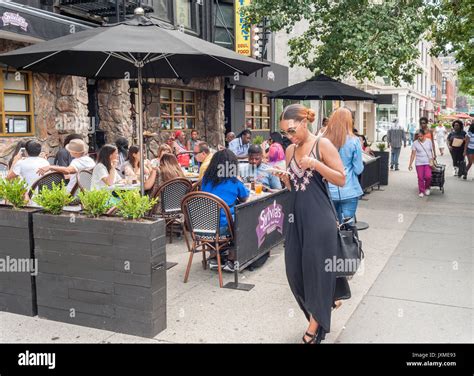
point(311, 236)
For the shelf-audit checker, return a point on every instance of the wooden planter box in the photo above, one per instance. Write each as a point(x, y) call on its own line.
point(17, 288)
point(384, 162)
point(105, 273)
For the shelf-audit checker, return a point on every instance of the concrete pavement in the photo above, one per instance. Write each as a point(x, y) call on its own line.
point(415, 285)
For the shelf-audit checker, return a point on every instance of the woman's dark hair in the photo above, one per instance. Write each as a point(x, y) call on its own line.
point(122, 145)
point(276, 137)
point(224, 165)
point(104, 155)
point(19, 145)
point(131, 158)
point(458, 122)
point(70, 137)
point(424, 119)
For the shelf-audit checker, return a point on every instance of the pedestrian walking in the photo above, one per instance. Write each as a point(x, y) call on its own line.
point(411, 128)
point(456, 142)
point(395, 138)
point(339, 132)
point(311, 237)
point(422, 154)
point(440, 135)
point(428, 132)
point(469, 149)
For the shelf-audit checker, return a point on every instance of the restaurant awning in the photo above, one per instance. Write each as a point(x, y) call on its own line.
point(27, 24)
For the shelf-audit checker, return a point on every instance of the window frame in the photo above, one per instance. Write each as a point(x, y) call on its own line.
point(3, 113)
point(171, 103)
point(261, 104)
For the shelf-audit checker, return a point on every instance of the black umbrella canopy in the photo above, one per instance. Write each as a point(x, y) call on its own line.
point(116, 51)
point(322, 87)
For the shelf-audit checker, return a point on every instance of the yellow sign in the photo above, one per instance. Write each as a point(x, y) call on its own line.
point(243, 40)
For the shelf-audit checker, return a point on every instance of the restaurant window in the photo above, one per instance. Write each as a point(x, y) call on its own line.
point(162, 9)
point(186, 14)
point(177, 109)
point(224, 23)
point(257, 110)
point(16, 104)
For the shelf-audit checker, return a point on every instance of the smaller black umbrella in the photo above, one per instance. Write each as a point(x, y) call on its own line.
point(321, 88)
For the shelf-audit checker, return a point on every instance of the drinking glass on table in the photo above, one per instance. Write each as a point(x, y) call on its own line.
point(258, 188)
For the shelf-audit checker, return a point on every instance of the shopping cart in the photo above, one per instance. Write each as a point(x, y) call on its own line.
point(437, 177)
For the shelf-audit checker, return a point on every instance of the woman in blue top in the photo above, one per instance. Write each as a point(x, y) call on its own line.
point(339, 132)
point(221, 179)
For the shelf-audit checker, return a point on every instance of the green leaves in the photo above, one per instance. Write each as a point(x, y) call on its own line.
point(132, 205)
point(14, 191)
point(359, 38)
point(96, 202)
point(53, 200)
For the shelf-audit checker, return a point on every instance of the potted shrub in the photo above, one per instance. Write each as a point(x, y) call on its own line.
point(384, 161)
point(103, 271)
point(17, 259)
point(257, 140)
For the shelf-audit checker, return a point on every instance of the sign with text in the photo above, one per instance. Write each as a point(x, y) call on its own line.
point(243, 40)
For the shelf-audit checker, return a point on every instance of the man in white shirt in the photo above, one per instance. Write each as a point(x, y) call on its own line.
point(27, 165)
point(240, 145)
point(81, 161)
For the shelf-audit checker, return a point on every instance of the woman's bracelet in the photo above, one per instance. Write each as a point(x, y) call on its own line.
point(313, 164)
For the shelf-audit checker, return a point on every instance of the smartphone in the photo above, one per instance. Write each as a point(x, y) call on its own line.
point(23, 152)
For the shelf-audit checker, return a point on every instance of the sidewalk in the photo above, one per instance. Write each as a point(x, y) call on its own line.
point(425, 291)
point(407, 291)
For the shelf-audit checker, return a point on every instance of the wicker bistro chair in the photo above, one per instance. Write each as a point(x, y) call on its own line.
point(46, 180)
point(202, 219)
point(83, 183)
point(3, 169)
point(170, 195)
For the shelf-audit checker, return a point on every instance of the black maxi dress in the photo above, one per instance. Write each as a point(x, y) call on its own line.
point(311, 239)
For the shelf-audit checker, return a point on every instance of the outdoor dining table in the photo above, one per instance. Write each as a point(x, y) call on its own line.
point(259, 225)
point(123, 187)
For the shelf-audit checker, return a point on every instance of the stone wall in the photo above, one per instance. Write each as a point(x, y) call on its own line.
point(115, 116)
point(60, 108)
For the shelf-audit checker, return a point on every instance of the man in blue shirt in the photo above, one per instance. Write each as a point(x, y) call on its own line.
point(258, 170)
point(240, 145)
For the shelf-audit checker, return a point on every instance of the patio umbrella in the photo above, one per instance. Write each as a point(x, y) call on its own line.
point(321, 88)
point(137, 48)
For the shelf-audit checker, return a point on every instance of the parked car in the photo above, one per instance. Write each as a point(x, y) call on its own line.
point(382, 129)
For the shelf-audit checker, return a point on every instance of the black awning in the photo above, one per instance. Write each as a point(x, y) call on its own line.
point(25, 22)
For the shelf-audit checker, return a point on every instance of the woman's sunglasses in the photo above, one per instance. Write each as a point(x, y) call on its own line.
point(290, 131)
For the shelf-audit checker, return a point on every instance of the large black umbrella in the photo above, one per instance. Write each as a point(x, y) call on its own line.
point(322, 88)
point(138, 48)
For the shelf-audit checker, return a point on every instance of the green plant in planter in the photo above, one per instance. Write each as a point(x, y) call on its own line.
point(133, 205)
point(53, 200)
point(257, 140)
point(96, 202)
point(381, 146)
point(14, 191)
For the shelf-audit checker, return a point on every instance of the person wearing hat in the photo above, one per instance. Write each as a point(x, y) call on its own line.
point(81, 161)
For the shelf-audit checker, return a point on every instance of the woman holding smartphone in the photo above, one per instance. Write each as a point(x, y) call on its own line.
point(311, 236)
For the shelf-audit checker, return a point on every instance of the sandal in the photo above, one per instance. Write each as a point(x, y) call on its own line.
point(337, 304)
point(315, 338)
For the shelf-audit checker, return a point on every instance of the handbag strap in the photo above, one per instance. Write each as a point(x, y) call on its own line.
point(425, 150)
point(326, 186)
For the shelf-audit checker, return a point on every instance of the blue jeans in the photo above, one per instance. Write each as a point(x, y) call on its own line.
point(346, 208)
point(395, 155)
point(412, 138)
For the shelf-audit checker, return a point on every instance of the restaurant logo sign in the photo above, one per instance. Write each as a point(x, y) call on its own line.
point(243, 40)
point(270, 219)
point(14, 19)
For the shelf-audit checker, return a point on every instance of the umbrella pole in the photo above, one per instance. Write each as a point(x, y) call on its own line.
point(140, 130)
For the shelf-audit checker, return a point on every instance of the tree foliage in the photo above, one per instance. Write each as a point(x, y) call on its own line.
point(359, 38)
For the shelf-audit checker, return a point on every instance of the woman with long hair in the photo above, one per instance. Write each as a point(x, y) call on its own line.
point(131, 168)
point(105, 172)
point(311, 235)
point(122, 147)
point(339, 132)
point(169, 168)
point(221, 179)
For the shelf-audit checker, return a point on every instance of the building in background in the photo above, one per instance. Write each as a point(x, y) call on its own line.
point(448, 84)
point(53, 106)
point(436, 86)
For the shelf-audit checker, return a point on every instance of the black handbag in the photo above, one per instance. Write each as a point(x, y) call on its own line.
point(349, 246)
